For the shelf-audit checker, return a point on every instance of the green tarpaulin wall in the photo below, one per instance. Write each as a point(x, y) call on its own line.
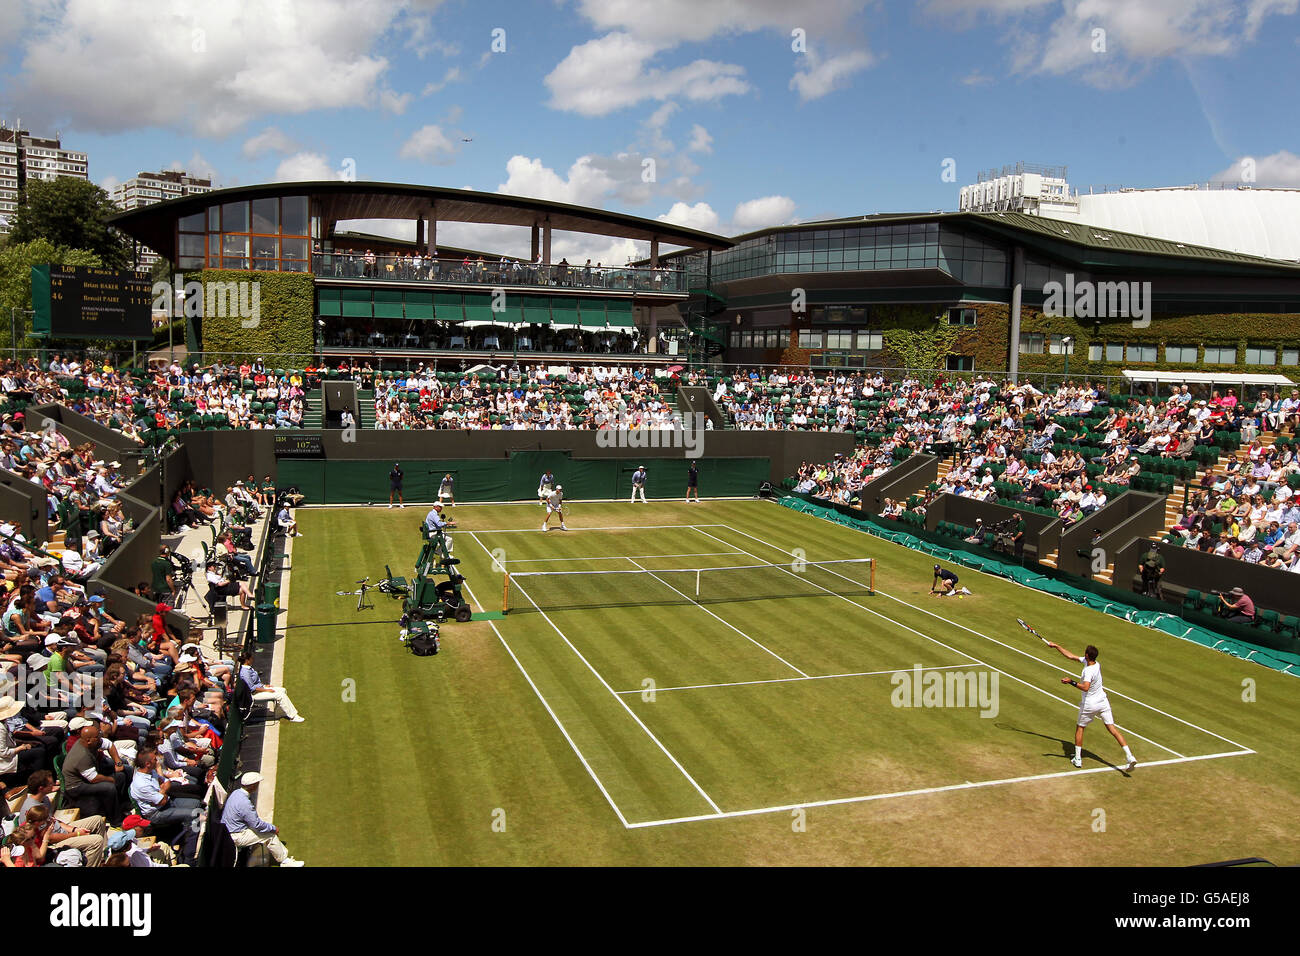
point(1173, 624)
point(516, 478)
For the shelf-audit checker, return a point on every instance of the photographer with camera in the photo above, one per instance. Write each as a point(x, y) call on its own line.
point(163, 573)
point(1240, 610)
point(228, 552)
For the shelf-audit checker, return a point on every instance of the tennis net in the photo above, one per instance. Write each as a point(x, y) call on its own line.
point(524, 591)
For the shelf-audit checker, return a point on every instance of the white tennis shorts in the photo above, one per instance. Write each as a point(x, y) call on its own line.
point(1101, 713)
point(552, 509)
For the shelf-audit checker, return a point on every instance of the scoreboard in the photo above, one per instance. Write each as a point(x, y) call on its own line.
point(81, 302)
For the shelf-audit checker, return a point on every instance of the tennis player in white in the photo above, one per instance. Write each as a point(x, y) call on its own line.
point(1094, 704)
point(555, 506)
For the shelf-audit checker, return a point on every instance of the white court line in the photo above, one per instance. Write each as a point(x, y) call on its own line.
point(621, 557)
point(925, 636)
point(583, 760)
point(1018, 650)
point(620, 527)
point(788, 680)
point(716, 618)
point(786, 808)
point(613, 693)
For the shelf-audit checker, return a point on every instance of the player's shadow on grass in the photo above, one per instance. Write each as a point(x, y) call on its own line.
point(1067, 746)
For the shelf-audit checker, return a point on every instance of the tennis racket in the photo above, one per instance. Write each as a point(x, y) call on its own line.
point(1030, 629)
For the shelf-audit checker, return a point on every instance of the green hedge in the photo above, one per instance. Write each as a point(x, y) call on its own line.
point(283, 328)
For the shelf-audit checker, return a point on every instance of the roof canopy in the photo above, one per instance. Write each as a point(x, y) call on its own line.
point(1204, 378)
point(337, 201)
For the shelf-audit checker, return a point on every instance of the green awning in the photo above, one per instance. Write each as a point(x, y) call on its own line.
point(537, 310)
point(357, 303)
point(448, 307)
point(388, 304)
point(564, 314)
point(619, 313)
point(419, 305)
point(478, 308)
point(592, 313)
point(328, 302)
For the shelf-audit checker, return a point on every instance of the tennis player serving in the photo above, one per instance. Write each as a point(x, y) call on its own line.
point(1094, 704)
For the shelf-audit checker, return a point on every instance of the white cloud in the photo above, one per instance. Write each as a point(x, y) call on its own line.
point(304, 167)
point(669, 22)
point(613, 72)
point(451, 76)
point(109, 183)
point(121, 66)
point(1278, 169)
point(699, 216)
point(1057, 38)
point(701, 141)
point(270, 140)
point(197, 166)
point(429, 144)
point(761, 213)
point(821, 76)
point(394, 102)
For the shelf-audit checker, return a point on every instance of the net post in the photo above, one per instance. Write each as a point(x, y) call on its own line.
point(697, 582)
point(871, 588)
point(505, 593)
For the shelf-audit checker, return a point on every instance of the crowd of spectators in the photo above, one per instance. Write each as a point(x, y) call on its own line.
point(529, 398)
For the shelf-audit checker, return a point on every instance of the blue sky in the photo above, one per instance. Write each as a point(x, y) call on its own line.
point(568, 99)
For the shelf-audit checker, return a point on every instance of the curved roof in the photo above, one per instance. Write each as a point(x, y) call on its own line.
point(1256, 222)
point(155, 225)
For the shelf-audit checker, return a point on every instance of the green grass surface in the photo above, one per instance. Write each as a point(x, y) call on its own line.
point(534, 739)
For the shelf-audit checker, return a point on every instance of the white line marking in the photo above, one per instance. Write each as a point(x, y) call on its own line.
point(928, 637)
point(621, 527)
point(788, 680)
point(590, 772)
point(786, 808)
point(613, 693)
point(716, 618)
point(621, 557)
point(1021, 650)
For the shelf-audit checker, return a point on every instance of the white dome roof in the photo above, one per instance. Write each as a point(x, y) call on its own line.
point(1257, 222)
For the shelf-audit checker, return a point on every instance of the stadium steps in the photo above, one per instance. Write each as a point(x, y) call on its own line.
point(366, 399)
point(312, 402)
point(1105, 576)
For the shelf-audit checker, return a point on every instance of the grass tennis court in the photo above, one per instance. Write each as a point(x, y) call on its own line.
point(628, 719)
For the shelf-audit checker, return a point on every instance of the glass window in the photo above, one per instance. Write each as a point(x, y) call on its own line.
point(234, 217)
point(264, 247)
point(1220, 355)
point(1185, 354)
point(1114, 351)
point(232, 262)
point(839, 339)
point(185, 263)
point(191, 245)
point(1056, 345)
point(193, 223)
point(808, 339)
point(214, 219)
point(871, 341)
point(1258, 356)
point(293, 248)
point(1142, 353)
point(746, 340)
point(265, 265)
point(735, 339)
point(961, 316)
point(1031, 343)
point(288, 265)
point(1094, 352)
point(234, 245)
point(961, 363)
point(293, 216)
point(266, 215)
point(1291, 356)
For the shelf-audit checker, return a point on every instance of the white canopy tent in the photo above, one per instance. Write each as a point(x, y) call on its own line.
point(1176, 377)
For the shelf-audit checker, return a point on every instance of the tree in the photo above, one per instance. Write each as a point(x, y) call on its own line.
point(73, 214)
point(16, 261)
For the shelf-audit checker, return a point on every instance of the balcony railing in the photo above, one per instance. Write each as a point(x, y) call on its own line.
point(496, 273)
